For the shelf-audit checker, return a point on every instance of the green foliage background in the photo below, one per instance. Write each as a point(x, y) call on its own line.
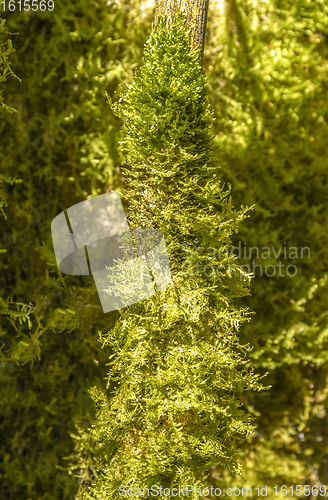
point(61, 146)
point(267, 83)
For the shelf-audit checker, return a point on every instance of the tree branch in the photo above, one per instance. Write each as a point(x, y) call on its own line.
point(196, 18)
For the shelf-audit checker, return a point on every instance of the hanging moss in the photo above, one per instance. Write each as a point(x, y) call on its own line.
point(15, 313)
point(177, 368)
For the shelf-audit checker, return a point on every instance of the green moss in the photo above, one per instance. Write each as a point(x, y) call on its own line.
point(177, 370)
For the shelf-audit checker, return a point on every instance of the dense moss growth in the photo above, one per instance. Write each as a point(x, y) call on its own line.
point(266, 80)
point(177, 363)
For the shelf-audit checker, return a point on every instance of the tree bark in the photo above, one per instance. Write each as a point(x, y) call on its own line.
point(196, 18)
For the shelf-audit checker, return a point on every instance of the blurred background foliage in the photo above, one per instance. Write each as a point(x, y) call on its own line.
point(266, 66)
point(59, 148)
point(267, 83)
